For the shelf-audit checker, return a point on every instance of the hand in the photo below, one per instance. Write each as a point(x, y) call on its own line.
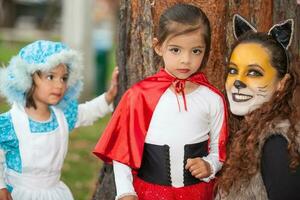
point(129, 197)
point(113, 90)
point(5, 195)
point(198, 167)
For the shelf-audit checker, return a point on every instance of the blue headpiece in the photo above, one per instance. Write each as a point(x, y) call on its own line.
point(16, 79)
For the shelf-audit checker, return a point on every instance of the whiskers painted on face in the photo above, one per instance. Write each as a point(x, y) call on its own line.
point(262, 89)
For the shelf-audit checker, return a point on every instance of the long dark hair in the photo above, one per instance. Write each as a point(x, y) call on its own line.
point(243, 161)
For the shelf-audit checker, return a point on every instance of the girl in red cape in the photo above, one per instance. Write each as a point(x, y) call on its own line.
point(167, 137)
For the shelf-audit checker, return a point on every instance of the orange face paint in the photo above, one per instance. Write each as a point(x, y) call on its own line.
point(251, 79)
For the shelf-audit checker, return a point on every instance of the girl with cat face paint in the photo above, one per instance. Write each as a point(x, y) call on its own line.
point(251, 79)
point(263, 93)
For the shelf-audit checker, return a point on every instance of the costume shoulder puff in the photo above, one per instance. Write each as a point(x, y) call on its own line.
point(7, 134)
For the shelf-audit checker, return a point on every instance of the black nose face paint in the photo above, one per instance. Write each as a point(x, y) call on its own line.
point(239, 84)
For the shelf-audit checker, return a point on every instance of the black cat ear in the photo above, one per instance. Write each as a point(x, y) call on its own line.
point(283, 32)
point(241, 26)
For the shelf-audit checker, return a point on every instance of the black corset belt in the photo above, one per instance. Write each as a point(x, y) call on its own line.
point(155, 166)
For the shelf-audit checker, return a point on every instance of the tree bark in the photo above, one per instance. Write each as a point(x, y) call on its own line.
point(136, 58)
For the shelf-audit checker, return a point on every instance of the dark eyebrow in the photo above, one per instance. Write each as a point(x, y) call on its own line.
point(200, 47)
point(53, 73)
point(231, 63)
point(256, 65)
point(173, 45)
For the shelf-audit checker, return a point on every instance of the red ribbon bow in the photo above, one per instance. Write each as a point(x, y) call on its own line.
point(179, 85)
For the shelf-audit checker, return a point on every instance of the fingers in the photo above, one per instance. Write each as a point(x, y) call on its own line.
point(114, 77)
point(5, 195)
point(191, 162)
point(198, 167)
point(113, 89)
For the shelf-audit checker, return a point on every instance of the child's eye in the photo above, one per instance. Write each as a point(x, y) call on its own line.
point(175, 50)
point(65, 79)
point(50, 77)
point(232, 70)
point(254, 73)
point(197, 51)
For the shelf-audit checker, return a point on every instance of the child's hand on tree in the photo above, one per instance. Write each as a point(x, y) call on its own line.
point(112, 91)
point(5, 195)
point(198, 167)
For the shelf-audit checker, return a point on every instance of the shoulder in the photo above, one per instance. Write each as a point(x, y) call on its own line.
point(210, 94)
point(6, 127)
point(71, 107)
point(211, 98)
point(70, 112)
point(136, 89)
point(275, 151)
point(5, 120)
point(275, 143)
point(273, 133)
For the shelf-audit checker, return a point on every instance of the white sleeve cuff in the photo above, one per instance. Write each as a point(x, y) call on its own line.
point(123, 180)
point(215, 167)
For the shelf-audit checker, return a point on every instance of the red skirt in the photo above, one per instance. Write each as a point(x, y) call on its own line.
point(149, 191)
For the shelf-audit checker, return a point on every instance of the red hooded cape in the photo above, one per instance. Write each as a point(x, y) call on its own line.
point(124, 137)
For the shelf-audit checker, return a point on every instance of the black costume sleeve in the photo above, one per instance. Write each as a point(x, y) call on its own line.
point(281, 183)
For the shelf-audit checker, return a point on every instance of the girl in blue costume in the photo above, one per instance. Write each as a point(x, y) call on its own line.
point(42, 83)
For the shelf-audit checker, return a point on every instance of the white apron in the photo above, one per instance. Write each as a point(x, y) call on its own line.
point(42, 157)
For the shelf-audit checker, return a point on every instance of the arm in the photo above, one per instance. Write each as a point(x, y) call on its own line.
point(281, 183)
point(2, 183)
point(4, 194)
point(206, 167)
point(217, 115)
point(92, 110)
point(123, 180)
point(98, 107)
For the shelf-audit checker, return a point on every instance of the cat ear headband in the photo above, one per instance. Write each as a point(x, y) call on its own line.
point(282, 33)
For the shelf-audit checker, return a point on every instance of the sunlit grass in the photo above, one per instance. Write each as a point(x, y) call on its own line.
point(7, 50)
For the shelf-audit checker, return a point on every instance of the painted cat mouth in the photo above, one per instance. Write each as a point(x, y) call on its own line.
point(237, 97)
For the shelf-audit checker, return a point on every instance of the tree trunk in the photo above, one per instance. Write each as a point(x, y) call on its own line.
point(7, 13)
point(136, 59)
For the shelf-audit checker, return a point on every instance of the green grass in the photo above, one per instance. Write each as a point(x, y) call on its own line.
point(7, 50)
point(81, 168)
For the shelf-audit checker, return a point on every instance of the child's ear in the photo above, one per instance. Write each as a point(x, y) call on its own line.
point(157, 47)
point(282, 82)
